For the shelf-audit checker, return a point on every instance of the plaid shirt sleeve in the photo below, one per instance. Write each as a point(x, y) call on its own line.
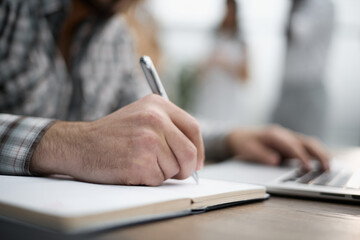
point(19, 137)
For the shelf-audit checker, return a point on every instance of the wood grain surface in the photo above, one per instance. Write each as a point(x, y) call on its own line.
point(276, 218)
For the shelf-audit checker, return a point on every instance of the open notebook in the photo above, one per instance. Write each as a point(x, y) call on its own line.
point(71, 206)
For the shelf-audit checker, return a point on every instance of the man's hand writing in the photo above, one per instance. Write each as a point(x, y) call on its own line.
point(144, 143)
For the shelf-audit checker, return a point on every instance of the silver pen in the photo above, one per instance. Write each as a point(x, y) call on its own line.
point(156, 87)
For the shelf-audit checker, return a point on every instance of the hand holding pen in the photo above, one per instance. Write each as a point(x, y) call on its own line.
point(156, 86)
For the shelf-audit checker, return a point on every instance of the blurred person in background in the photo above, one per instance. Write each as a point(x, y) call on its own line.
point(303, 103)
point(72, 103)
point(225, 72)
point(230, 49)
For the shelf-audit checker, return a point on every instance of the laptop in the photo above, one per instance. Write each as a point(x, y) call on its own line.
point(341, 183)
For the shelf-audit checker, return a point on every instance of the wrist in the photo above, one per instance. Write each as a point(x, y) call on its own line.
point(58, 149)
point(232, 139)
point(238, 138)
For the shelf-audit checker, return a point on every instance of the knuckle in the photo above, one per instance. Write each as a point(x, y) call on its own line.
point(149, 139)
point(152, 117)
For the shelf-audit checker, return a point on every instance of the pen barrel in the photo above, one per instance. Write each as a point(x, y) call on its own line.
point(152, 77)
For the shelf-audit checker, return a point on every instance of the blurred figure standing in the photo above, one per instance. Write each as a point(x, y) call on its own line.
point(303, 102)
point(225, 73)
point(230, 49)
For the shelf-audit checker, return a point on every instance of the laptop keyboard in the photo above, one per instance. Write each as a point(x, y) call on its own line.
point(341, 179)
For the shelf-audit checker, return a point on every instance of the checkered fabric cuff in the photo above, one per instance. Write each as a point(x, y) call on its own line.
point(19, 137)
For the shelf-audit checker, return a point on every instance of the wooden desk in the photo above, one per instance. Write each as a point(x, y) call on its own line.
point(276, 218)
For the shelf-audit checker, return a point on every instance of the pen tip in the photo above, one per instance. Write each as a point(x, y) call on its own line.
point(195, 175)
